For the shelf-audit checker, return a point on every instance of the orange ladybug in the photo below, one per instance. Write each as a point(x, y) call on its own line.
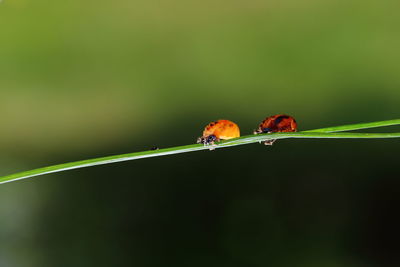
point(219, 130)
point(277, 123)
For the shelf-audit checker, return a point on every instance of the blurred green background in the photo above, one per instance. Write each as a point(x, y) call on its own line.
point(83, 79)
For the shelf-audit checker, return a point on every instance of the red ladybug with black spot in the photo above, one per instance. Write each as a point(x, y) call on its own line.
point(277, 123)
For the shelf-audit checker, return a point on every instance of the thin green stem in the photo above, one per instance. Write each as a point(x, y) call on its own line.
point(357, 126)
point(189, 148)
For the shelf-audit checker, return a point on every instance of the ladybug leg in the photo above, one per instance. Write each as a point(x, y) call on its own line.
point(269, 142)
point(265, 130)
point(210, 141)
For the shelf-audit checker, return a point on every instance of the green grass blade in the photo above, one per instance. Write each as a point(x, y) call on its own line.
point(188, 148)
point(357, 126)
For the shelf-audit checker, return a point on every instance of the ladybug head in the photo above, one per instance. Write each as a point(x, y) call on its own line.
point(266, 130)
point(263, 130)
point(206, 140)
point(211, 139)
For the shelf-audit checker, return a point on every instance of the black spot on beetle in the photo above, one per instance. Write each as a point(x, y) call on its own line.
point(280, 118)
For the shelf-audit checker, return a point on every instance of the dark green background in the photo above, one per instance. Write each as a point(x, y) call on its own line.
point(82, 79)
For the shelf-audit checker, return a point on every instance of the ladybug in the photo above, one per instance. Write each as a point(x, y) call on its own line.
point(276, 123)
point(219, 130)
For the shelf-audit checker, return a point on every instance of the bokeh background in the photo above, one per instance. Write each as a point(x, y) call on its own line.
point(82, 79)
